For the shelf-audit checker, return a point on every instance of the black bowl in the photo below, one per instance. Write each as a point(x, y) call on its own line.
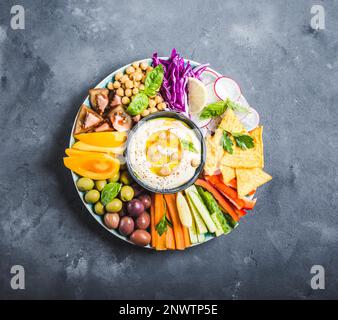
point(192, 125)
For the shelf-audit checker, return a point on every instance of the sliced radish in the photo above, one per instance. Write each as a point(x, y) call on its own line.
point(251, 120)
point(200, 123)
point(211, 96)
point(225, 87)
point(208, 76)
point(243, 102)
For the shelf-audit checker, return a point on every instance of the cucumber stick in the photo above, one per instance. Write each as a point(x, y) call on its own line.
point(193, 233)
point(201, 208)
point(200, 225)
point(201, 237)
point(219, 231)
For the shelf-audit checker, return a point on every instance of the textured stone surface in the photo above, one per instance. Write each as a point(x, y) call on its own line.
point(287, 72)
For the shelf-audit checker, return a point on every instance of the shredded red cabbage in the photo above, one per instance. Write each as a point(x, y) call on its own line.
point(176, 74)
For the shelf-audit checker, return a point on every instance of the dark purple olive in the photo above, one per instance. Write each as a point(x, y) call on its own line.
point(126, 226)
point(146, 200)
point(138, 190)
point(140, 237)
point(143, 221)
point(135, 207)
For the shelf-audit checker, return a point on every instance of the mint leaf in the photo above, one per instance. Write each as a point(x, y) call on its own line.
point(154, 81)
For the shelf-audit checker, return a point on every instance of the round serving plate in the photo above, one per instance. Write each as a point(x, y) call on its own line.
point(75, 177)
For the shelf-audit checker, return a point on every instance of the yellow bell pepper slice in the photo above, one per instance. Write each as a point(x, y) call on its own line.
point(87, 147)
point(94, 167)
point(103, 139)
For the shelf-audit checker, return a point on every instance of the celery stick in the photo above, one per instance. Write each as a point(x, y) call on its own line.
point(200, 225)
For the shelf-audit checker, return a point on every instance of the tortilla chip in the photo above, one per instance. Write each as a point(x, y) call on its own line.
point(231, 123)
point(210, 162)
point(250, 179)
point(250, 158)
point(227, 173)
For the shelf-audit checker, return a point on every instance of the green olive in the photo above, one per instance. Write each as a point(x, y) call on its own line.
point(99, 208)
point(127, 193)
point(125, 178)
point(115, 178)
point(85, 184)
point(114, 206)
point(99, 184)
point(92, 196)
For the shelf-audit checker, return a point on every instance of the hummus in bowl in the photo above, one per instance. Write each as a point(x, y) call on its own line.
point(165, 152)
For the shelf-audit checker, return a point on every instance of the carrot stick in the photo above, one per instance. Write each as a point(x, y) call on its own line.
point(159, 213)
point(152, 221)
point(186, 236)
point(178, 231)
point(227, 192)
point(170, 239)
point(220, 199)
point(232, 183)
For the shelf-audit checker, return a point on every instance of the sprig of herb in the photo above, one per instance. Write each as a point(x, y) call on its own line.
point(216, 109)
point(109, 192)
point(163, 224)
point(188, 145)
point(154, 81)
point(242, 141)
point(227, 142)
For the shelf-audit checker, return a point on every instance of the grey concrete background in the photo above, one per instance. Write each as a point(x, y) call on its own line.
point(288, 72)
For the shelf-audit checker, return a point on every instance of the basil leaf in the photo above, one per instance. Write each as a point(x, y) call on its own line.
point(138, 104)
point(163, 224)
point(187, 145)
point(236, 107)
point(243, 141)
point(154, 81)
point(213, 110)
point(109, 192)
point(227, 142)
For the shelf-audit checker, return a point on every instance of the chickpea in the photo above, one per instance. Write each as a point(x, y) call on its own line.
point(136, 84)
point(152, 103)
point(149, 68)
point(144, 79)
point(145, 113)
point(125, 100)
point(129, 84)
point(153, 110)
point(144, 66)
point(130, 70)
point(138, 76)
point(120, 92)
point(158, 99)
point(161, 106)
point(141, 86)
point(195, 163)
point(117, 84)
point(135, 90)
point(137, 118)
point(110, 86)
point(125, 78)
point(118, 76)
point(135, 65)
point(128, 92)
point(165, 171)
